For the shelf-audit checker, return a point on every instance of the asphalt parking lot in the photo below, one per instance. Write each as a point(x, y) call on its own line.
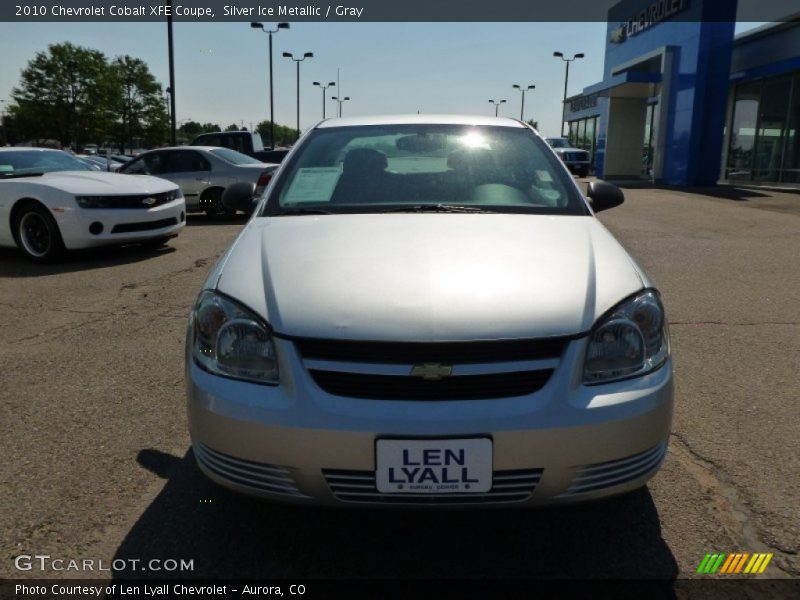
point(96, 459)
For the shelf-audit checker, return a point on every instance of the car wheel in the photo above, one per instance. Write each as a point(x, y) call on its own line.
point(36, 233)
point(215, 209)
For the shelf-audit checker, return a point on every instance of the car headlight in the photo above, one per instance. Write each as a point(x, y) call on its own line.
point(630, 341)
point(229, 340)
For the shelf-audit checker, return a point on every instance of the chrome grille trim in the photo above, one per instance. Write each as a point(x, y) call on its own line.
point(608, 474)
point(405, 369)
point(359, 487)
point(258, 476)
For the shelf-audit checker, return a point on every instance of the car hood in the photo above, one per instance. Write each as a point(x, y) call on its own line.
point(102, 182)
point(427, 277)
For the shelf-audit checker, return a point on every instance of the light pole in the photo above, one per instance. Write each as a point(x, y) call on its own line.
point(523, 90)
point(3, 121)
point(324, 87)
point(171, 88)
point(497, 106)
point(566, 80)
point(297, 62)
point(340, 101)
point(278, 27)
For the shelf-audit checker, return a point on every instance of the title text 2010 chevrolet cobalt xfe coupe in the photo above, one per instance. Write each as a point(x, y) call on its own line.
point(424, 310)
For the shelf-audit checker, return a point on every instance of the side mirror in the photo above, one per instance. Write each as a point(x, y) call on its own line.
point(240, 196)
point(604, 195)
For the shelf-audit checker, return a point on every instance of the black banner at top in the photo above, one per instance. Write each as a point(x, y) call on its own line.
point(365, 10)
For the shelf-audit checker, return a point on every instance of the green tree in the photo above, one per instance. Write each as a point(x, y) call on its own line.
point(64, 93)
point(284, 136)
point(534, 124)
point(232, 127)
point(140, 109)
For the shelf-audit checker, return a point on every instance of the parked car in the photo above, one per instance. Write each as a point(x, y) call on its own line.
point(101, 162)
point(90, 149)
point(51, 202)
point(425, 311)
point(88, 162)
point(203, 173)
point(246, 142)
point(578, 161)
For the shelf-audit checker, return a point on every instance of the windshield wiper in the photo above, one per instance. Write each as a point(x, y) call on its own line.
point(302, 211)
point(18, 175)
point(439, 208)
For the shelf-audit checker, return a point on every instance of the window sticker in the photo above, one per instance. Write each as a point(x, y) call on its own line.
point(312, 184)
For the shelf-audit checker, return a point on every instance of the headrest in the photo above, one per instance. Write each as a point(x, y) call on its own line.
point(360, 160)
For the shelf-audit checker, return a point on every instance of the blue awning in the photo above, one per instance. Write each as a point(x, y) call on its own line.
point(629, 84)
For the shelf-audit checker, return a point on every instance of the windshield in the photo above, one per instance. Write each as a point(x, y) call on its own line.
point(234, 157)
point(19, 163)
point(389, 168)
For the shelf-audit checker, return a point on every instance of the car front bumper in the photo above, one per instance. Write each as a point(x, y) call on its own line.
point(295, 442)
point(120, 226)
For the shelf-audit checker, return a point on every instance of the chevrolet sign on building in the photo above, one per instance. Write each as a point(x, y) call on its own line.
point(646, 18)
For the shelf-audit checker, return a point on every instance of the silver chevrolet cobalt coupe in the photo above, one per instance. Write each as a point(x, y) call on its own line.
point(424, 311)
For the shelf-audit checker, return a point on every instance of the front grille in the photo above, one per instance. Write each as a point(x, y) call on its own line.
point(441, 352)
point(144, 226)
point(133, 201)
point(577, 156)
point(465, 387)
point(616, 472)
point(359, 487)
point(258, 476)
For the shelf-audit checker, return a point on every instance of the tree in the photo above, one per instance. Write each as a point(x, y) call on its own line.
point(64, 93)
point(140, 109)
point(532, 123)
point(232, 127)
point(284, 136)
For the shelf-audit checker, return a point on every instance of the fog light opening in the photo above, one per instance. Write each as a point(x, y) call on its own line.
point(183, 216)
point(96, 228)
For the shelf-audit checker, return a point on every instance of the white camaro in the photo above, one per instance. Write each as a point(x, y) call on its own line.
point(51, 202)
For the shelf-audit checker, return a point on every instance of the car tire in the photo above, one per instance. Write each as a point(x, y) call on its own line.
point(36, 233)
point(215, 209)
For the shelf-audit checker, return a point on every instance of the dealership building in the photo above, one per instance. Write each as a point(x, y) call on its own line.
point(685, 102)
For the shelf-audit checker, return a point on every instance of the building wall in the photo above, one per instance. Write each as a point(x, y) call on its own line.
point(701, 36)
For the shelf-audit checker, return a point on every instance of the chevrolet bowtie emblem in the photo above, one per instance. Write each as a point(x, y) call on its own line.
point(432, 371)
point(149, 201)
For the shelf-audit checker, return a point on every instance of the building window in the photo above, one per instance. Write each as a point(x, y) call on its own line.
point(764, 144)
point(583, 134)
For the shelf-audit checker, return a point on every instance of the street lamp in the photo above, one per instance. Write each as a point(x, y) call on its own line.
point(3, 121)
point(566, 79)
point(496, 106)
point(523, 90)
point(278, 27)
point(297, 62)
point(323, 88)
point(340, 101)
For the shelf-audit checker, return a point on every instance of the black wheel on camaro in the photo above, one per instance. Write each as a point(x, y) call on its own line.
point(36, 233)
point(214, 207)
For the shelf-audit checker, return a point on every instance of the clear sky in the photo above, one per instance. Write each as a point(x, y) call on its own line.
point(386, 68)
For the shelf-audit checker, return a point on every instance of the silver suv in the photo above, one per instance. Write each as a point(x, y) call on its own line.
point(578, 161)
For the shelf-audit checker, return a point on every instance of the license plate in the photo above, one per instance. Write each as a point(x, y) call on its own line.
point(434, 466)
